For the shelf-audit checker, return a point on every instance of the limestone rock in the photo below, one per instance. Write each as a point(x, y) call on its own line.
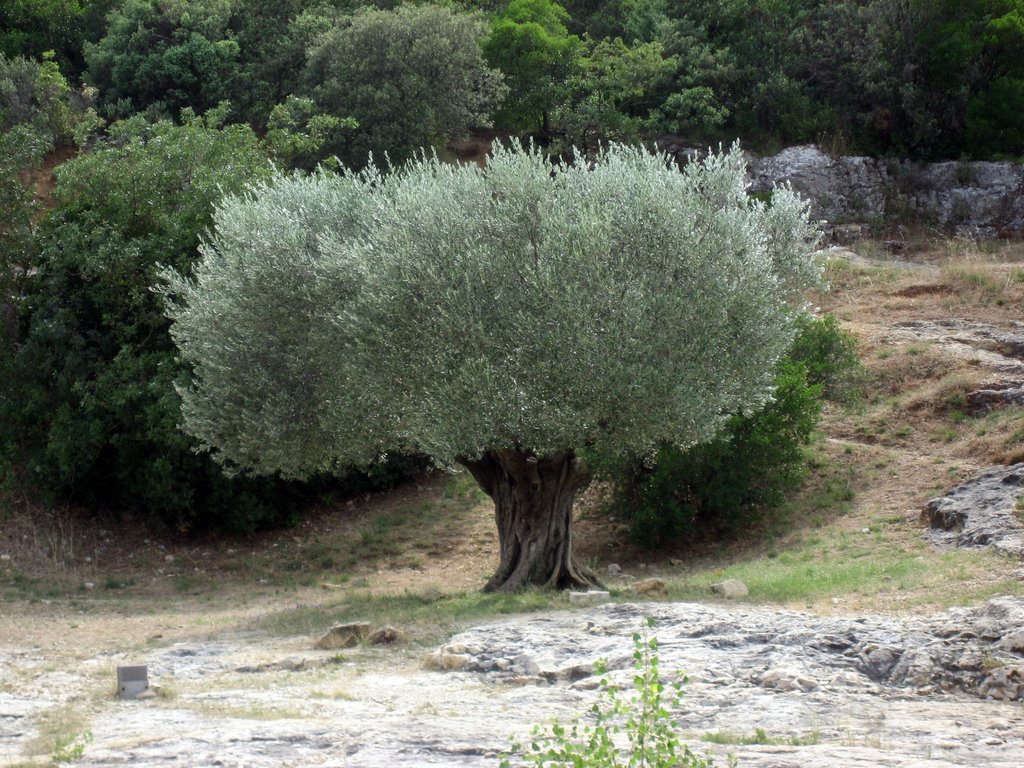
point(653, 587)
point(980, 200)
point(344, 636)
point(730, 589)
point(787, 679)
point(613, 569)
point(980, 513)
point(528, 666)
point(1005, 683)
point(1013, 642)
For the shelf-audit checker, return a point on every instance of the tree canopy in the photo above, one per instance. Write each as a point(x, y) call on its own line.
point(408, 77)
point(511, 313)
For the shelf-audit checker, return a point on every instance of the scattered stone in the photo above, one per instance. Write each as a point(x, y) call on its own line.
point(591, 597)
point(344, 636)
point(571, 674)
point(675, 562)
point(653, 587)
point(387, 635)
point(980, 513)
point(5, 558)
point(1013, 642)
point(787, 679)
point(168, 558)
point(89, 585)
point(614, 569)
point(730, 589)
point(527, 665)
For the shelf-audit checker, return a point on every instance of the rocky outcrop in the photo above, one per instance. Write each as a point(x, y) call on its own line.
point(978, 651)
point(982, 200)
point(980, 513)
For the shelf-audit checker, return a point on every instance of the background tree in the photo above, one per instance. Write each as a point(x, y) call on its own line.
point(32, 28)
point(409, 77)
point(531, 46)
point(165, 55)
point(274, 37)
point(500, 318)
point(607, 95)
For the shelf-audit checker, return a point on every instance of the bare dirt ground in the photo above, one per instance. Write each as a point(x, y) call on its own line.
point(73, 590)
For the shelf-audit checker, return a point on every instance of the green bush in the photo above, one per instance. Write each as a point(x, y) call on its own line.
point(728, 482)
point(88, 409)
point(643, 718)
point(830, 356)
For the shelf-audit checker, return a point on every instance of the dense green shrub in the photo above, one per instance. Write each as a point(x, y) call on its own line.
point(35, 97)
point(722, 484)
point(830, 356)
point(88, 410)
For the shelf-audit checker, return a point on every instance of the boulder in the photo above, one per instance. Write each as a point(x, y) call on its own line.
point(980, 513)
point(730, 589)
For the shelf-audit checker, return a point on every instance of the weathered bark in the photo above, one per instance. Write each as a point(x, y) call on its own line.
point(533, 498)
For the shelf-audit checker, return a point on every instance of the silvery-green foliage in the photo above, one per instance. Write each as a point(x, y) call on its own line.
point(449, 309)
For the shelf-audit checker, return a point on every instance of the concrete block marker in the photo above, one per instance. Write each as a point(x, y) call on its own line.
point(592, 597)
point(131, 681)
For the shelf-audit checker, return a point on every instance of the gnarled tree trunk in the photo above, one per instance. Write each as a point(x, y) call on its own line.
point(533, 498)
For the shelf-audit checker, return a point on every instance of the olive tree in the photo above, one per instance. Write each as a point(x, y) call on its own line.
point(501, 318)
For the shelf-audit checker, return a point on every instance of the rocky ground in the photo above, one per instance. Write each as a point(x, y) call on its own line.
point(866, 691)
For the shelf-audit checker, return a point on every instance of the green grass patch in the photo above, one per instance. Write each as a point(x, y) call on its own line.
point(861, 564)
point(760, 736)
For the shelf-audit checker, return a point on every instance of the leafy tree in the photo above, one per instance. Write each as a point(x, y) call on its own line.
point(531, 46)
point(409, 77)
point(274, 37)
point(502, 318)
point(35, 97)
point(297, 132)
point(31, 28)
point(165, 55)
point(608, 92)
